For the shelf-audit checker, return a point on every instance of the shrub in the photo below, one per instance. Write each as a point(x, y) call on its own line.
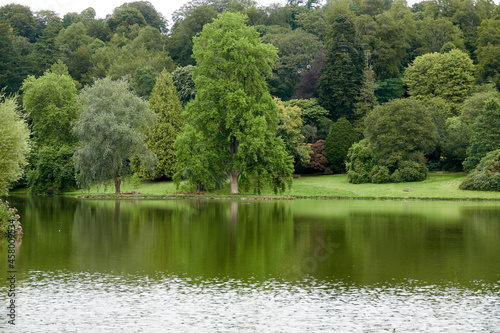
point(360, 162)
point(7, 216)
point(380, 174)
point(411, 171)
point(486, 176)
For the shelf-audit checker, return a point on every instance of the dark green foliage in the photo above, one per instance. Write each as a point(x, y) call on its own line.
point(338, 142)
point(455, 143)
point(144, 80)
point(412, 171)
point(296, 51)
point(400, 130)
point(486, 134)
point(52, 170)
point(380, 174)
point(183, 82)
point(152, 17)
point(389, 89)
point(486, 176)
point(342, 76)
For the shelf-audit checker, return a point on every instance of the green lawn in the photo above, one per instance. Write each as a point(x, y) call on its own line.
point(437, 186)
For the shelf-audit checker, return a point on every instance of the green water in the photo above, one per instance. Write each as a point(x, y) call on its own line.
point(256, 266)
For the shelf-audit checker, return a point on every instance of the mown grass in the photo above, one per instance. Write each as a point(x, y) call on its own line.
point(439, 186)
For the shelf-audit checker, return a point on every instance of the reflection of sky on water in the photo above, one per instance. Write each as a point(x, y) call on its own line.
point(85, 302)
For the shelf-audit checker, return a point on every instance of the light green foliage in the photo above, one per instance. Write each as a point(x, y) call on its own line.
point(9, 215)
point(449, 76)
point(289, 128)
point(14, 144)
point(486, 176)
point(51, 104)
point(111, 131)
point(161, 137)
point(486, 136)
point(315, 124)
point(360, 162)
point(232, 122)
point(338, 142)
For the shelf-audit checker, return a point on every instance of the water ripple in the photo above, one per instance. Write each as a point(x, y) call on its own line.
point(96, 302)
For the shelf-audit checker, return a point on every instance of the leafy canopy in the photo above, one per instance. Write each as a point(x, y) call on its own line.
point(111, 130)
point(232, 122)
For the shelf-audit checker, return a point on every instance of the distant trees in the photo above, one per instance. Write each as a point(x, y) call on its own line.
point(14, 143)
point(231, 124)
point(111, 129)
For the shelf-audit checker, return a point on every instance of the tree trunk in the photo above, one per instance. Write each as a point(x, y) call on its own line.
point(233, 177)
point(118, 182)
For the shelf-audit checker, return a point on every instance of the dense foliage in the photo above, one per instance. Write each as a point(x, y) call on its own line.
point(232, 122)
point(111, 129)
point(14, 144)
point(413, 81)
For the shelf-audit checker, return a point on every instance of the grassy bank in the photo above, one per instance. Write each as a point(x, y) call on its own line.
point(439, 186)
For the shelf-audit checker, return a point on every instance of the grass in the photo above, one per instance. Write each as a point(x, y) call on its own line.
point(437, 186)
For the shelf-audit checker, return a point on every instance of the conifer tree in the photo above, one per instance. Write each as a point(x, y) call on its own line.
point(161, 137)
point(342, 76)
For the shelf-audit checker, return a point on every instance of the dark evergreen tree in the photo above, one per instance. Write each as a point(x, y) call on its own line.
point(338, 142)
point(342, 76)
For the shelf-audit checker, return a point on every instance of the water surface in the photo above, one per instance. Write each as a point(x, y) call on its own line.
point(255, 266)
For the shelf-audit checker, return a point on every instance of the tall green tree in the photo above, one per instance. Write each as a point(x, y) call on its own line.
point(232, 122)
point(486, 136)
point(400, 130)
point(449, 76)
point(14, 144)
point(51, 104)
point(342, 76)
point(111, 129)
point(161, 136)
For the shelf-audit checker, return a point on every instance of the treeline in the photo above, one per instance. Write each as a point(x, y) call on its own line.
point(412, 83)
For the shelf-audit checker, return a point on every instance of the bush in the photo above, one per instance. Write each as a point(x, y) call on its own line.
point(7, 216)
point(360, 162)
point(380, 174)
point(411, 171)
point(486, 176)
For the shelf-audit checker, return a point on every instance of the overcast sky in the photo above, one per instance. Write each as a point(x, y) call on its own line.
point(105, 7)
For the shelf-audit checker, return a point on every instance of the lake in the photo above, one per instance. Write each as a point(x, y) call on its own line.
point(254, 266)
